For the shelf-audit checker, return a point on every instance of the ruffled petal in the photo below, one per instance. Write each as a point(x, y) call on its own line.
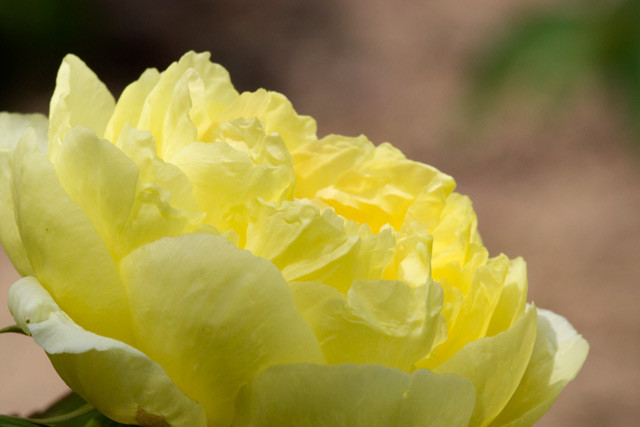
point(383, 322)
point(241, 165)
point(352, 395)
point(310, 244)
point(495, 366)
point(119, 380)
point(66, 253)
point(274, 110)
point(372, 185)
point(128, 205)
point(80, 98)
point(558, 355)
point(213, 316)
point(12, 126)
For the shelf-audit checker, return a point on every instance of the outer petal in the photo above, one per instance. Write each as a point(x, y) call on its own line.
point(100, 179)
point(12, 126)
point(80, 98)
point(64, 249)
point(513, 299)
point(119, 380)
point(108, 186)
point(381, 321)
point(558, 355)
point(495, 365)
point(213, 316)
point(353, 395)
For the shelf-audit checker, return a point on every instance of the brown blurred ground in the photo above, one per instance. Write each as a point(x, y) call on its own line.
point(560, 188)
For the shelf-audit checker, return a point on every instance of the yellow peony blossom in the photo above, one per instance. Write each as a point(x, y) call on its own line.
point(192, 256)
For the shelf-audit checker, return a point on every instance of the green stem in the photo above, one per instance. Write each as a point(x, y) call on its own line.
point(84, 409)
point(13, 328)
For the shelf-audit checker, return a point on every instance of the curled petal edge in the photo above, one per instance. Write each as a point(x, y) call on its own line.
point(120, 381)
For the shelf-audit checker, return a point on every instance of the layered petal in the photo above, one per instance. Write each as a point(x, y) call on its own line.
point(235, 317)
point(353, 395)
point(311, 244)
point(274, 110)
point(495, 366)
point(12, 126)
point(80, 98)
point(558, 355)
point(383, 322)
point(372, 185)
point(120, 381)
point(145, 103)
point(241, 165)
point(64, 249)
point(130, 196)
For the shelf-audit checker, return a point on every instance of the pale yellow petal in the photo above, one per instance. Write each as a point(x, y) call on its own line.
point(241, 165)
point(120, 381)
point(65, 251)
point(130, 104)
point(213, 316)
point(372, 185)
point(513, 299)
point(12, 126)
point(469, 312)
point(101, 179)
point(165, 204)
point(383, 322)
point(80, 98)
point(275, 111)
point(353, 396)
point(558, 355)
point(308, 244)
point(495, 366)
point(318, 163)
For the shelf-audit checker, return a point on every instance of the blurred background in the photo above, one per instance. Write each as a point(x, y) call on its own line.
point(533, 106)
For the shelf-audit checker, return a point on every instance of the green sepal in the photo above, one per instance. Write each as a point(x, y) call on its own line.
point(13, 328)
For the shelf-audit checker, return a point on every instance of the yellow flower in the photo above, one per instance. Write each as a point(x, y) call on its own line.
point(195, 256)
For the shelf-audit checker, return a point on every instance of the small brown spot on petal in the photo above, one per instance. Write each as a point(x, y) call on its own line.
point(146, 419)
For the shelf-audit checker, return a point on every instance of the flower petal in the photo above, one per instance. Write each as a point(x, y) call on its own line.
point(513, 299)
point(65, 251)
point(100, 179)
point(377, 187)
point(558, 355)
point(80, 98)
point(275, 111)
point(12, 126)
point(353, 395)
point(241, 165)
point(495, 366)
point(119, 380)
point(235, 316)
point(380, 321)
point(130, 104)
point(317, 245)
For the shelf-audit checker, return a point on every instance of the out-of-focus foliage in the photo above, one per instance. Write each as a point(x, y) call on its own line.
point(553, 52)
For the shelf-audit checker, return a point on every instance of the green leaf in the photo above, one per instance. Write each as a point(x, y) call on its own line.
point(545, 53)
point(7, 421)
point(70, 411)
